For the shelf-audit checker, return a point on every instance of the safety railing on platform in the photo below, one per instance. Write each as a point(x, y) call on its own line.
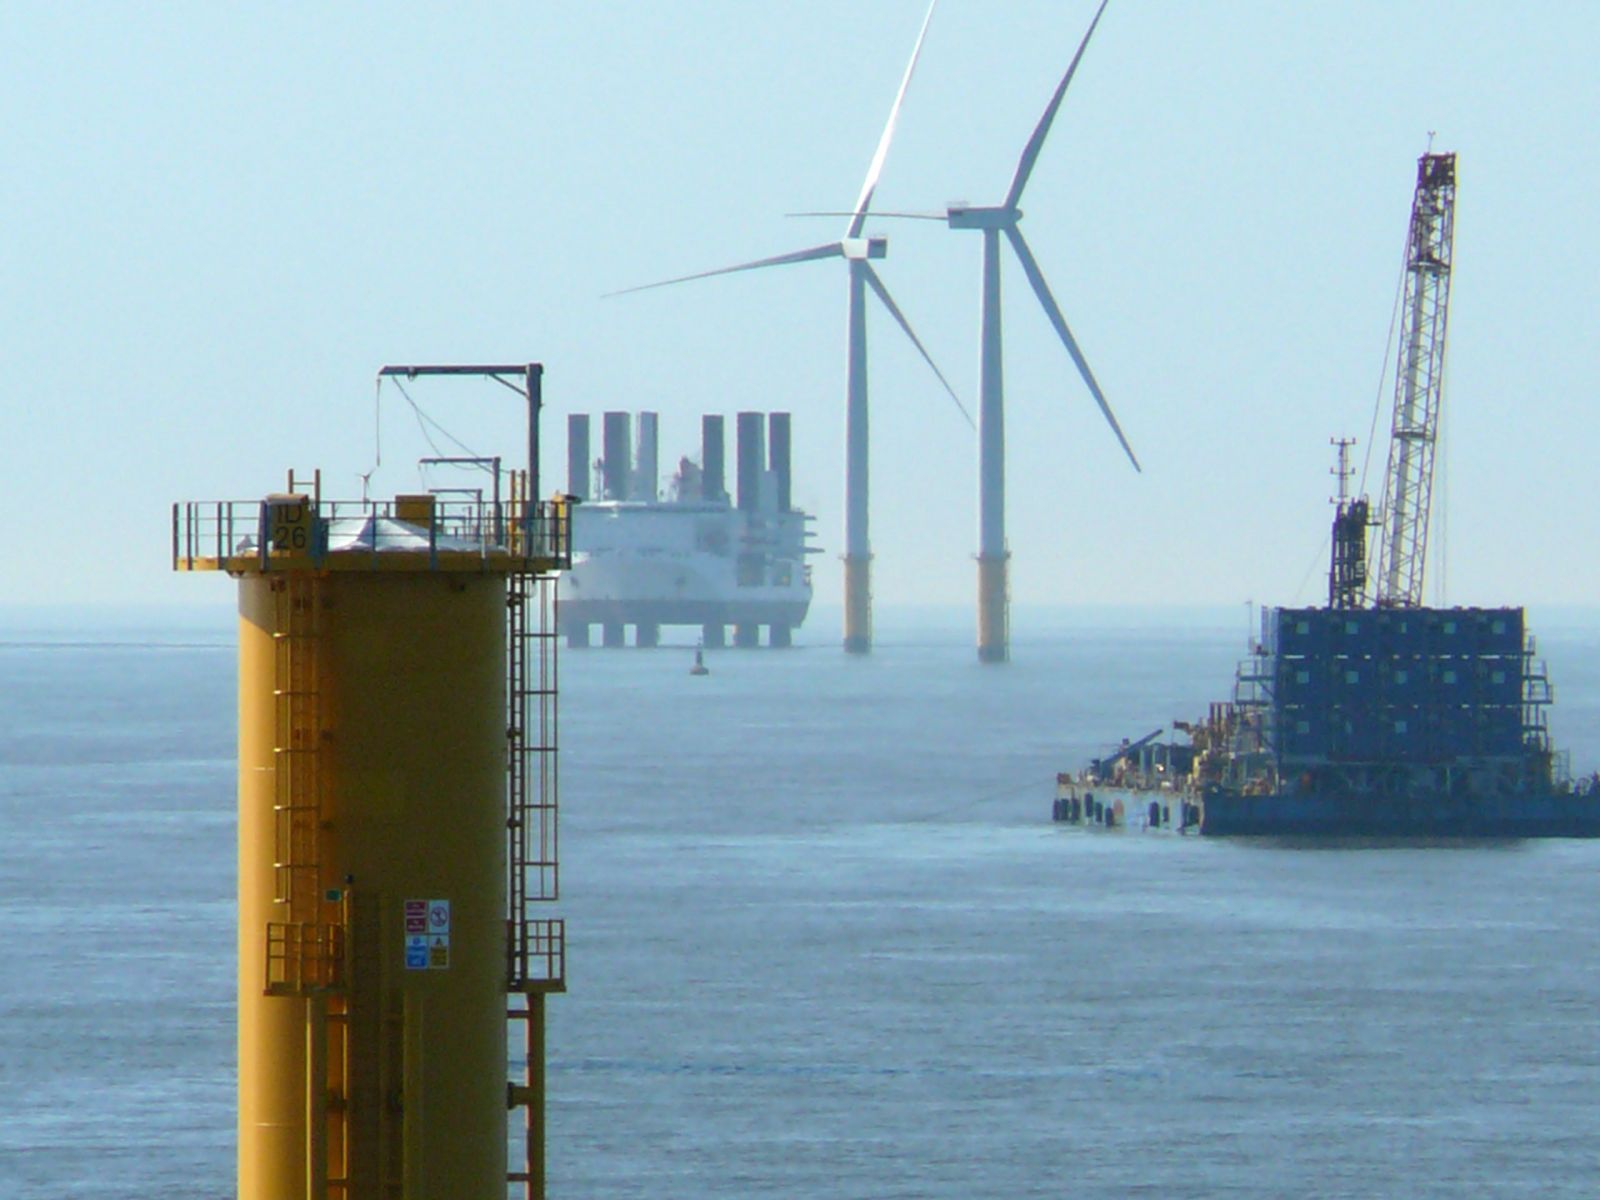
point(258, 533)
point(304, 957)
point(539, 955)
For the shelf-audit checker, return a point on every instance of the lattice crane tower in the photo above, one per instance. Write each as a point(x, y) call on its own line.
point(1419, 383)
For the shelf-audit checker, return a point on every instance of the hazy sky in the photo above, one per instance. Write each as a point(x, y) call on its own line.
point(221, 219)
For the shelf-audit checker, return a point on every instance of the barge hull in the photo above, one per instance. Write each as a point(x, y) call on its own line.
point(1517, 815)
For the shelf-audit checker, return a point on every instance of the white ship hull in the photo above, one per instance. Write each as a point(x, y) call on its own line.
point(654, 564)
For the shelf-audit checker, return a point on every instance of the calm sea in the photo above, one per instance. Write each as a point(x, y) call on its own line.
point(825, 942)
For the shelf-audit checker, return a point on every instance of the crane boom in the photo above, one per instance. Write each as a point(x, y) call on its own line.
point(1419, 383)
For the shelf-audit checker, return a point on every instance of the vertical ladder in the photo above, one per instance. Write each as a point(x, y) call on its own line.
point(535, 946)
point(306, 948)
point(297, 743)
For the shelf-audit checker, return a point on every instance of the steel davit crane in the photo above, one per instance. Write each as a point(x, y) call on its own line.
point(1402, 544)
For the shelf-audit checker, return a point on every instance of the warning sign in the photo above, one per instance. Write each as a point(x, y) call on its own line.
point(417, 952)
point(416, 916)
point(427, 935)
point(439, 916)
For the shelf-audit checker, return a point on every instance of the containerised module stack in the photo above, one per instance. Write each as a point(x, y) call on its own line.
point(1410, 690)
point(397, 809)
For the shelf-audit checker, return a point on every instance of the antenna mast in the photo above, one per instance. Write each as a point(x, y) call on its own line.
point(1419, 384)
point(1347, 572)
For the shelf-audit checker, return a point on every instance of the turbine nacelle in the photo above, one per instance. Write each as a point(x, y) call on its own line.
point(860, 248)
point(972, 216)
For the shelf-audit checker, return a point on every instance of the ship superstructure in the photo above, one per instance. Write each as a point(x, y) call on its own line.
point(694, 555)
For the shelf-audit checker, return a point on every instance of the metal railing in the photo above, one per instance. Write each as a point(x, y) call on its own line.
point(248, 534)
point(539, 955)
point(304, 957)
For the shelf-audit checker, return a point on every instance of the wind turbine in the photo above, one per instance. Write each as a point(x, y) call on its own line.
point(1006, 218)
point(858, 252)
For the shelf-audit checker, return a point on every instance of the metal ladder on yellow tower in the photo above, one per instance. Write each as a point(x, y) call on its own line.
point(306, 949)
point(535, 947)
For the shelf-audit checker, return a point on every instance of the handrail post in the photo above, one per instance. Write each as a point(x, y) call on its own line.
point(534, 382)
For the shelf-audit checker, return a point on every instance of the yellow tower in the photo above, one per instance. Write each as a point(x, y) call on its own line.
point(397, 835)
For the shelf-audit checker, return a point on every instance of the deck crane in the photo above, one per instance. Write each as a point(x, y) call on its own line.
point(1402, 543)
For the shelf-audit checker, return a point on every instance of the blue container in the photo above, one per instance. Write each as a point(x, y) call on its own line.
point(1352, 680)
point(1302, 632)
point(1302, 733)
point(1298, 681)
point(1404, 680)
point(1450, 681)
point(1500, 631)
point(1353, 632)
point(1454, 731)
point(1451, 632)
point(1497, 681)
point(1402, 633)
point(1499, 729)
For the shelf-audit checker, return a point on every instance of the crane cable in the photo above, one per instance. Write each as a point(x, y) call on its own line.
point(1383, 374)
point(423, 421)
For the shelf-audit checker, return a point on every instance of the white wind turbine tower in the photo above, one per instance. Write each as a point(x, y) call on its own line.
point(1005, 218)
point(857, 251)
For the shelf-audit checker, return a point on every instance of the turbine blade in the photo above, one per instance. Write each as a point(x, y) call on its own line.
point(1030, 154)
point(875, 169)
point(894, 311)
point(1030, 267)
point(903, 216)
point(829, 250)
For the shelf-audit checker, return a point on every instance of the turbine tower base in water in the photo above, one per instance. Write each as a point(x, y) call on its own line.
point(858, 604)
point(994, 632)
